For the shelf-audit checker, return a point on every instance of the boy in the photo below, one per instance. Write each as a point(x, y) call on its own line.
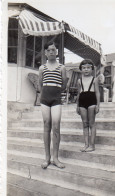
point(52, 80)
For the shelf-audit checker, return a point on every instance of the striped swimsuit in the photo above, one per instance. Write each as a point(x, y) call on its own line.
point(51, 90)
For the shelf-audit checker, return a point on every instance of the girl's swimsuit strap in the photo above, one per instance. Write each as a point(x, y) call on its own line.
point(82, 85)
point(91, 84)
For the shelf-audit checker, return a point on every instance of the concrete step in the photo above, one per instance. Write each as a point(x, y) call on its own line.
point(17, 140)
point(14, 106)
point(40, 129)
point(39, 158)
point(72, 106)
point(70, 110)
point(101, 123)
point(24, 111)
point(107, 104)
point(86, 174)
point(19, 185)
point(103, 137)
point(72, 174)
point(17, 106)
point(103, 113)
point(68, 114)
point(100, 155)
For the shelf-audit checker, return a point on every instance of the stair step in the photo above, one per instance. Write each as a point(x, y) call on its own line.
point(101, 123)
point(86, 173)
point(15, 106)
point(17, 140)
point(103, 156)
point(34, 158)
point(63, 130)
point(68, 113)
point(102, 137)
point(73, 106)
point(75, 175)
point(30, 187)
point(18, 128)
point(63, 120)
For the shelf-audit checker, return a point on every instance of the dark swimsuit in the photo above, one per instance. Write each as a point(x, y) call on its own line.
point(87, 98)
point(51, 96)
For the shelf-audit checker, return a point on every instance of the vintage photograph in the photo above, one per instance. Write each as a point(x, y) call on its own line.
point(61, 98)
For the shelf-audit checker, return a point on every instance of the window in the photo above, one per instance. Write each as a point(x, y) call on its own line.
point(12, 40)
point(33, 51)
point(30, 47)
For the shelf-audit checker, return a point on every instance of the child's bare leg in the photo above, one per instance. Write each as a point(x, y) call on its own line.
point(92, 125)
point(47, 137)
point(83, 113)
point(56, 118)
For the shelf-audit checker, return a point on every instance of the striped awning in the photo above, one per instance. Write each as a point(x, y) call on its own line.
point(33, 25)
point(83, 37)
point(39, 24)
point(78, 47)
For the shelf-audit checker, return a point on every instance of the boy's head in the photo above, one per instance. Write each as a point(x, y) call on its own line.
point(50, 50)
point(85, 62)
point(49, 44)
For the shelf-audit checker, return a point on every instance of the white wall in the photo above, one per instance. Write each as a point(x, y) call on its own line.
point(113, 98)
point(3, 97)
point(27, 91)
point(20, 89)
point(12, 82)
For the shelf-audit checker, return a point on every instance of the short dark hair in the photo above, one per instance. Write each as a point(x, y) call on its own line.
point(49, 44)
point(87, 61)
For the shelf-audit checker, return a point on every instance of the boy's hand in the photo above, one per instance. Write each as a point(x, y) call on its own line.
point(78, 110)
point(96, 109)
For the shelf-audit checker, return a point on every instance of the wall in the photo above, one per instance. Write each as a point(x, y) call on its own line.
point(20, 89)
point(3, 97)
point(12, 82)
point(27, 91)
point(113, 98)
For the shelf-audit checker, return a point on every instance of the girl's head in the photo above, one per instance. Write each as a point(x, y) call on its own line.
point(86, 62)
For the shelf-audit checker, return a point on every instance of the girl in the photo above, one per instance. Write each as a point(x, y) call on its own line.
point(88, 102)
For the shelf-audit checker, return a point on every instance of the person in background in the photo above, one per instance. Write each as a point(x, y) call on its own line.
point(52, 81)
point(101, 80)
point(88, 102)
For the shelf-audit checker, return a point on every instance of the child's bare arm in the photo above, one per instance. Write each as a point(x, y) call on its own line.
point(79, 88)
point(97, 94)
point(40, 77)
point(64, 77)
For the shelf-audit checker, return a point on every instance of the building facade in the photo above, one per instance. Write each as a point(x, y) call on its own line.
point(28, 31)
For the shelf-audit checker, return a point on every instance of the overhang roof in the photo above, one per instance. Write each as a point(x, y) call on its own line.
point(74, 40)
point(78, 47)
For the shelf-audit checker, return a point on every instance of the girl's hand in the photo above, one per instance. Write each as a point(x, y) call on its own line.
point(96, 109)
point(78, 110)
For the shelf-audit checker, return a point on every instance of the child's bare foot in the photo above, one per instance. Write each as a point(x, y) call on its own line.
point(58, 164)
point(84, 149)
point(90, 149)
point(45, 164)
